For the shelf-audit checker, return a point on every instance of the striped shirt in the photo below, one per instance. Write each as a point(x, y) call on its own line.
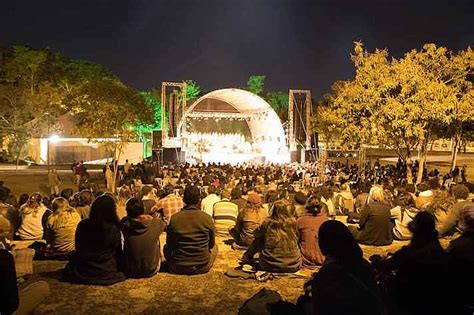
point(224, 215)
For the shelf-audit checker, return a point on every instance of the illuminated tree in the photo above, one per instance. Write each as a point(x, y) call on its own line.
point(107, 108)
point(279, 102)
point(255, 84)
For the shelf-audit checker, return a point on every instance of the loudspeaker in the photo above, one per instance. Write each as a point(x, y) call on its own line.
point(157, 139)
point(173, 155)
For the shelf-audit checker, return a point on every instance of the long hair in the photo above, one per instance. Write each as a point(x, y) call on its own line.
point(335, 240)
point(424, 230)
point(283, 224)
point(32, 205)
point(104, 210)
point(62, 210)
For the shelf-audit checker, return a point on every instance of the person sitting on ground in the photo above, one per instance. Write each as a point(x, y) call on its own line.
point(406, 212)
point(190, 238)
point(270, 198)
point(141, 234)
point(248, 220)
point(299, 204)
point(207, 204)
point(452, 223)
point(236, 197)
point(67, 193)
point(8, 212)
point(461, 253)
point(375, 227)
point(149, 198)
point(308, 228)
point(345, 284)
point(61, 227)
point(85, 201)
point(98, 255)
point(124, 194)
point(13, 301)
point(442, 203)
point(420, 270)
point(33, 217)
point(344, 200)
point(276, 239)
point(225, 214)
point(168, 205)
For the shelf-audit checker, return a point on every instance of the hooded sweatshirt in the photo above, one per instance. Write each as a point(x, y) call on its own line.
point(142, 245)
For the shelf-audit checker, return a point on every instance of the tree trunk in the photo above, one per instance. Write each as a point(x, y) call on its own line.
point(407, 159)
point(422, 161)
point(454, 152)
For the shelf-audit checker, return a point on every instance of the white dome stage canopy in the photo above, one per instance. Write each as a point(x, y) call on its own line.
point(268, 139)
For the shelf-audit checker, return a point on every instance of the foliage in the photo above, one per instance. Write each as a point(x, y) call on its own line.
point(192, 90)
point(398, 103)
point(279, 102)
point(255, 84)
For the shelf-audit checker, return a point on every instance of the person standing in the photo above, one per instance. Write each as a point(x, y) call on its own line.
point(54, 182)
point(109, 178)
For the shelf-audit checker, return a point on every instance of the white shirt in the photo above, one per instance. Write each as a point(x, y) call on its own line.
point(207, 204)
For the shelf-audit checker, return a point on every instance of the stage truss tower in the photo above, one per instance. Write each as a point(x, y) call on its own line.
point(173, 111)
point(299, 119)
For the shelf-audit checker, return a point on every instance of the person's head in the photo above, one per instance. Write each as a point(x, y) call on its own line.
point(147, 191)
point(405, 199)
point(23, 199)
point(283, 224)
point(104, 210)
point(236, 193)
point(60, 205)
point(124, 194)
point(211, 190)
point(376, 194)
point(34, 201)
point(300, 198)
point(460, 192)
point(433, 183)
point(192, 195)
point(467, 217)
point(313, 205)
point(67, 193)
point(3, 195)
point(168, 190)
point(134, 207)
point(225, 194)
point(335, 240)
point(423, 228)
point(85, 198)
point(254, 200)
point(271, 197)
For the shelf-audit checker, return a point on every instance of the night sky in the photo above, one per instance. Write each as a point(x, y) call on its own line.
point(296, 44)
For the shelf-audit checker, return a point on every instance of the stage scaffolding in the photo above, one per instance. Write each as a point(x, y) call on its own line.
point(173, 111)
point(300, 110)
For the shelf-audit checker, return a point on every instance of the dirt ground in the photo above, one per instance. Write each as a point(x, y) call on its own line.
point(212, 293)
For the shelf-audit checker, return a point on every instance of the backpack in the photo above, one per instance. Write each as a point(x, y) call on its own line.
point(257, 304)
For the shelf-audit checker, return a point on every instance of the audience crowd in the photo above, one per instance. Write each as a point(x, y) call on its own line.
point(282, 217)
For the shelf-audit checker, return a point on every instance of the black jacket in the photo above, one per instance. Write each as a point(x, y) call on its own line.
point(141, 250)
point(98, 255)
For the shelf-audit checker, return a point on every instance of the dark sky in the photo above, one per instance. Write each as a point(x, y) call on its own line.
point(296, 44)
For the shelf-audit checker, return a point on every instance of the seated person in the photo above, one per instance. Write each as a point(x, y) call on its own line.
point(149, 198)
point(11, 299)
point(308, 227)
point(225, 214)
point(236, 197)
point(141, 232)
point(33, 218)
point(461, 253)
point(452, 223)
point(98, 246)
point(276, 239)
point(168, 205)
point(345, 284)
point(61, 226)
point(248, 220)
point(406, 212)
point(190, 238)
point(375, 227)
point(420, 269)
